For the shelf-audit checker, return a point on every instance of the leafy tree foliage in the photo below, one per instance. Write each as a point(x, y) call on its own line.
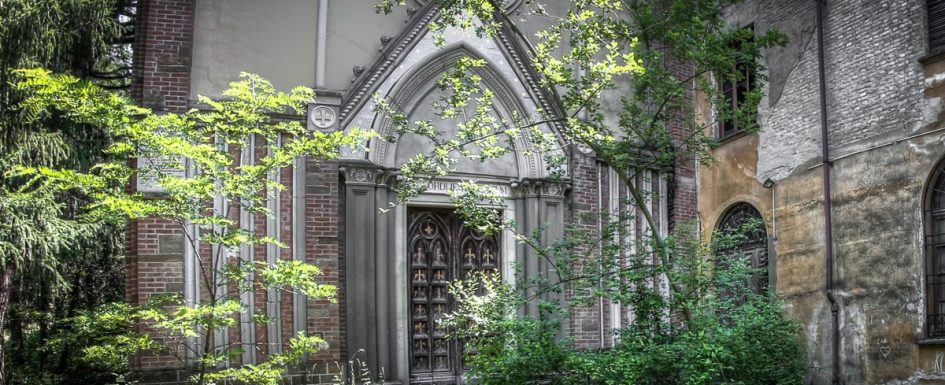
point(734, 335)
point(651, 55)
point(224, 179)
point(52, 267)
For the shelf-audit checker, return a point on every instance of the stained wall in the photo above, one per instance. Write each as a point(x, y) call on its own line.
point(883, 121)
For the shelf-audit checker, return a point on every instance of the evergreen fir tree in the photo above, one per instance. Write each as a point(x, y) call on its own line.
point(50, 265)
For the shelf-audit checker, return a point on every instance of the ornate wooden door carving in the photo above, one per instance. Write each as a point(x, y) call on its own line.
point(441, 250)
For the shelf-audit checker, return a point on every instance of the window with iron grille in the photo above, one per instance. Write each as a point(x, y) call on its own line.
point(734, 88)
point(935, 254)
point(751, 247)
point(936, 17)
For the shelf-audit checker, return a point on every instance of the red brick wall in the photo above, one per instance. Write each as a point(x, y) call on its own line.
point(162, 63)
point(162, 53)
point(683, 206)
point(322, 229)
point(286, 229)
point(585, 321)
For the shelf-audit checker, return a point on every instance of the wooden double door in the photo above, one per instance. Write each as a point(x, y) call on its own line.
point(441, 249)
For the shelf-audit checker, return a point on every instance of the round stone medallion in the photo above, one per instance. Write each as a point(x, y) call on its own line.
point(322, 117)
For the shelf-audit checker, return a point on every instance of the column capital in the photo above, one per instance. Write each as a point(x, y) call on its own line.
point(361, 173)
point(546, 188)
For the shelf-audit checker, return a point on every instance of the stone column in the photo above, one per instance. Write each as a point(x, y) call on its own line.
point(360, 268)
point(530, 259)
point(542, 206)
point(369, 267)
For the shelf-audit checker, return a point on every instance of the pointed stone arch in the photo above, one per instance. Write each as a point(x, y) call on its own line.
point(417, 85)
point(407, 72)
point(376, 260)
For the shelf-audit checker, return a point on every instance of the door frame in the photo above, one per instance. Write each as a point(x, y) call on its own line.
point(402, 265)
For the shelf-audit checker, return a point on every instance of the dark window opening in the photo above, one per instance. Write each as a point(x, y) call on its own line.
point(936, 15)
point(749, 244)
point(935, 254)
point(734, 88)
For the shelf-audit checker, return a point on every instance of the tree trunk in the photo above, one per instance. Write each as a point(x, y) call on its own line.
point(73, 302)
point(5, 279)
point(14, 325)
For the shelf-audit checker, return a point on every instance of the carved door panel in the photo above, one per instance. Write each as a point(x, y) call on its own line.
point(441, 249)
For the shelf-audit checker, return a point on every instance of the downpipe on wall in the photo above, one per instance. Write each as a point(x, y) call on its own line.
point(828, 220)
point(600, 255)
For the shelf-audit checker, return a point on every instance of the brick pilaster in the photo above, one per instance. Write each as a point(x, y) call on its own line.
point(162, 50)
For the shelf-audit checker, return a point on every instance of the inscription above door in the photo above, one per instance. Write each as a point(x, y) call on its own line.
point(441, 249)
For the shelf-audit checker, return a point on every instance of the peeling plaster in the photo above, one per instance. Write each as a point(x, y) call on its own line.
point(930, 112)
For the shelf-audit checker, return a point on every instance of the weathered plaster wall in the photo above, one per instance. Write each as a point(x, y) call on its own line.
point(277, 42)
point(875, 82)
point(354, 37)
point(878, 244)
point(790, 124)
point(732, 180)
point(280, 42)
point(878, 102)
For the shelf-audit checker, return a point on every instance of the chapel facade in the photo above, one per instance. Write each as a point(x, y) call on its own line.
point(856, 252)
point(392, 266)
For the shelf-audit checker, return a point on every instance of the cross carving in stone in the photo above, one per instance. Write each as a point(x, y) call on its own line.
point(420, 276)
point(428, 229)
point(323, 117)
point(470, 256)
point(488, 257)
point(440, 275)
point(419, 255)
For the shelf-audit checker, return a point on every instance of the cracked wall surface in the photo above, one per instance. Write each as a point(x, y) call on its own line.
point(884, 108)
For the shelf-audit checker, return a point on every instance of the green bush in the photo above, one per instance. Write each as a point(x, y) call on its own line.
point(721, 331)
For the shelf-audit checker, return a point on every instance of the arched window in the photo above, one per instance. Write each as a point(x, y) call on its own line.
point(750, 240)
point(935, 253)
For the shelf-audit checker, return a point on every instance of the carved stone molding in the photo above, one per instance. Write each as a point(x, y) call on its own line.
point(429, 73)
point(322, 117)
point(361, 174)
point(391, 55)
point(554, 189)
point(510, 5)
point(542, 188)
point(357, 70)
point(323, 113)
point(584, 149)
